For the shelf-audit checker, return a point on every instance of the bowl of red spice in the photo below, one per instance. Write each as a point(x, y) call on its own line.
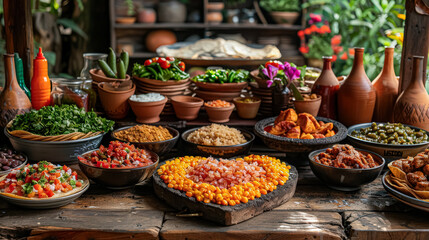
point(118, 166)
point(346, 168)
point(219, 111)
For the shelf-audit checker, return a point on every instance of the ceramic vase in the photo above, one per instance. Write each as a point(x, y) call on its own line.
point(327, 86)
point(356, 97)
point(281, 96)
point(412, 106)
point(13, 100)
point(386, 86)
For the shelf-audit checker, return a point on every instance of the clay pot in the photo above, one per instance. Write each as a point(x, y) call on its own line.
point(171, 11)
point(262, 83)
point(146, 15)
point(186, 107)
point(386, 86)
point(247, 110)
point(98, 76)
point(214, 17)
point(13, 100)
point(147, 112)
point(115, 103)
point(285, 18)
point(412, 105)
point(308, 106)
point(219, 114)
point(356, 97)
point(159, 38)
point(327, 86)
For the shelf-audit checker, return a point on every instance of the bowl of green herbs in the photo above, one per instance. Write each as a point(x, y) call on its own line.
point(57, 134)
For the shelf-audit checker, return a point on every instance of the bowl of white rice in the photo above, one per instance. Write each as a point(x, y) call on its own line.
point(147, 107)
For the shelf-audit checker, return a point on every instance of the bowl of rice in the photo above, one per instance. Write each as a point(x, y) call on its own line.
point(158, 139)
point(147, 107)
point(217, 140)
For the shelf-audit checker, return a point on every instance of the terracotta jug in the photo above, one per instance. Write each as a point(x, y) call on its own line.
point(386, 86)
point(356, 97)
point(13, 100)
point(327, 86)
point(412, 106)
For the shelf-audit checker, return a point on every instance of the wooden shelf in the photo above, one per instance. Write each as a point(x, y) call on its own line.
point(159, 25)
point(208, 26)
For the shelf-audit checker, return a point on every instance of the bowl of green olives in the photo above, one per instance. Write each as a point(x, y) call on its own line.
point(391, 140)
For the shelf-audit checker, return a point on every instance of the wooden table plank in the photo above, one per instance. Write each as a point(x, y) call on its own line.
point(387, 225)
point(270, 225)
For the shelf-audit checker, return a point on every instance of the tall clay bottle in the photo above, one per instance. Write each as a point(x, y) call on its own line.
point(327, 86)
point(13, 100)
point(356, 97)
point(412, 106)
point(386, 86)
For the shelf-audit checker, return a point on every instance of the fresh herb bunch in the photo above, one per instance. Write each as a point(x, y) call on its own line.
point(281, 5)
point(163, 69)
point(58, 120)
point(223, 76)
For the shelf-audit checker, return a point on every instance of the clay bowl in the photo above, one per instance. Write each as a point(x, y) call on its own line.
point(148, 112)
point(186, 107)
point(346, 179)
point(219, 114)
point(247, 110)
point(125, 20)
point(159, 82)
point(221, 87)
point(98, 76)
point(217, 151)
point(293, 145)
point(310, 106)
point(262, 83)
point(119, 178)
point(167, 94)
point(115, 103)
point(164, 89)
point(211, 95)
point(160, 148)
point(388, 151)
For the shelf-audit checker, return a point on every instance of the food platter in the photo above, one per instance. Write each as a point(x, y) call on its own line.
point(227, 215)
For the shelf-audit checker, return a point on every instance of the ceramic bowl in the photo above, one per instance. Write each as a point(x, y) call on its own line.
point(98, 76)
point(217, 151)
point(161, 83)
point(262, 83)
point(214, 95)
point(221, 87)
point(284, 18)
point(6, 172)
point(160, 148)
point(125, 20)
point(186, 107)
point(247, 110)
point(147, 112)
point(346, 179)
point(219, 114)
point(119, 178)
point(115, 103)
point(388, 151)
point(310, 106)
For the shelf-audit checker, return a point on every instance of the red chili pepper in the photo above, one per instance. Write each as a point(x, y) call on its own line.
point(160, 60)
point(165, 65)
point(155, 59)
point(181, 66)
point(146, 63)
point(170, 59)
point(273, 63)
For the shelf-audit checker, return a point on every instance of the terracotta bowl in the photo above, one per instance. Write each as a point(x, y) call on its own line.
point(148, 112)
point(247, 110)
point(98, 76)
point(285, 18)
point(211, 95)
point(159, 82)
point(262, 83)
point(221, 87)
point(186, 107)
point(308, 106)
point(125, 20)
point(219, 114)
point(115, 103)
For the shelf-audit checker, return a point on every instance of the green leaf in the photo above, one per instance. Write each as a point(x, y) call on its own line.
point(69, 23)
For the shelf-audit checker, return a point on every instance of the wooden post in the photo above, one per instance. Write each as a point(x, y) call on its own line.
point(19, 33)
point(416, 38)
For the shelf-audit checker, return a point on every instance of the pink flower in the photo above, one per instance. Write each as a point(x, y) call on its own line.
point(292, 73)
point(315, 18)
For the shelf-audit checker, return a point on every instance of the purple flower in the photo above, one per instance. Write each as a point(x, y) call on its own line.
point(270, 71)
point(292, 73)
point(270, 82)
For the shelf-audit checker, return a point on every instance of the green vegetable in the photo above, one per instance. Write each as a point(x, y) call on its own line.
point(57, 120)
point(111, 60)
point(155, 71)
point(125, 58)
point(121, 69)
point(106, 69)
point(223, 76)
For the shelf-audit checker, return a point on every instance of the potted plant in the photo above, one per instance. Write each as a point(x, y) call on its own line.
point(284, 12)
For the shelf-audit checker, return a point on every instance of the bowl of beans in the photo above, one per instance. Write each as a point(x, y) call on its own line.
point(10, 160)
point(391, 140)
point(118, 166)
point(344, 167)
point(219, 110)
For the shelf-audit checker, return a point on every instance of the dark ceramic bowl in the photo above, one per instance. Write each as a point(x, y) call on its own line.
point(160, 148)
point(346, 179)
point(389, 151)
point(294, 145)
point(218, 151)
point(119, 178)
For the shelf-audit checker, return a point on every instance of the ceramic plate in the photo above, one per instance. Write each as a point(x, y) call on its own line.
point(404, 198)
point(48, 202)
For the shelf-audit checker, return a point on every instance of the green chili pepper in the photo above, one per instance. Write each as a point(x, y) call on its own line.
point(106, 69)
point(111, 60)
point(121, 69)
point(125, 58)
point(153, 72)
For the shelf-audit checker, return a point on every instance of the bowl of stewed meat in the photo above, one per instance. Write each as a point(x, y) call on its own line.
point(119, 165)
point(345, 168)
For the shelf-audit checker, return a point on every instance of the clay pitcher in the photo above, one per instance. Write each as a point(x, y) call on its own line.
point(412, 106)
point(356, 97)
point(13, 100)
point(327, 86)
point(386, 86)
